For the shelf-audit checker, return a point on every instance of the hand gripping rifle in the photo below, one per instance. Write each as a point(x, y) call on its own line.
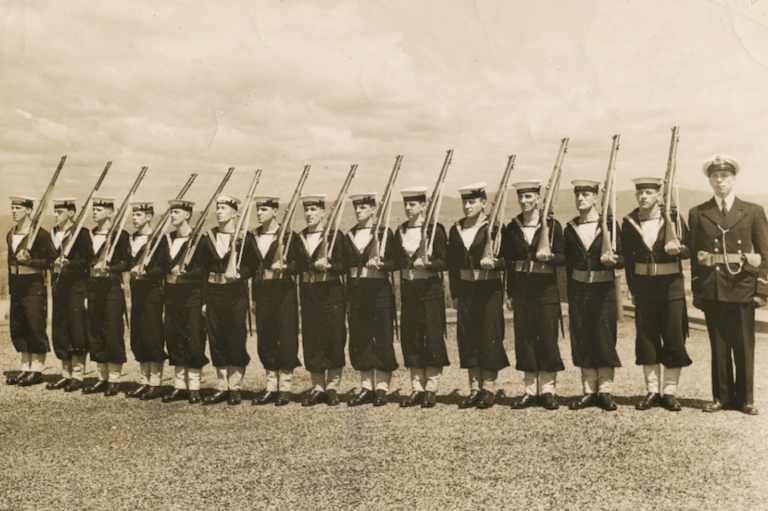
point(672, 230)
point(334, 218)
point(110, 243)
point(34, 227)
point(287, 224)
point(241, 227)
point(608, 213)
point(383, 213)
point(154, 239)
point(496, 216)
point(544, 248)
point(433, 211)
point(80, 220)
point(196, 234)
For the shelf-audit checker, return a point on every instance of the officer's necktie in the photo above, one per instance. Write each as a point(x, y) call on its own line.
point(724, 209)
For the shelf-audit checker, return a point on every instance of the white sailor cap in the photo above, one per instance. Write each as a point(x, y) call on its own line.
point(585, 185)
point(184, 205)
point(533, 185)
point(647, 182)
point(104, 202)
point(473, 191)
point(415, 193)
point(21, 200)
point(721, 162)
point(228, 200)
point(65, 203)
point(363, 198)
point(146, 206)
point(270, 201)
point(317, 199)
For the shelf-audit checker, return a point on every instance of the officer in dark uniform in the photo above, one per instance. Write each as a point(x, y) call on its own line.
point(106, 301)
point(275, 301)
point(422, 319)
point(371, 303)
point(323, 308)
point(26, 283)
point(146, 304)
point(729, 279)
point(592, 304)
point(477, 291)
point(69, 289)
point(532, 287)
point(655, 279)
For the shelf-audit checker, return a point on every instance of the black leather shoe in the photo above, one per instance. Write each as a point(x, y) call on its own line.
point(548, 401)
point(750, 410)
point(234, 398)
point(586, 401)
point(365, 396)
point(283, 398)
point(314, 398)
point(137, 392)
point(606, 402)
point(486, 400)
point(112, 389)
point(415, 399)
point(63, 382)
point(332, 397)
point(471, 400)
point(429, 401)
point(524, 402)
point(14, 380)
point(268, 398)
point(30, 379)
point(152, 393)
point(96, 388)
point(671, 403)
point(380, 398)
point(176, 395)
point(73, 385)
point(715, 406)
point(649, 401)
point(194, 397)
point(218, 397)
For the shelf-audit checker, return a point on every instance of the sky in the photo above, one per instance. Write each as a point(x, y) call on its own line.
point(186, 87)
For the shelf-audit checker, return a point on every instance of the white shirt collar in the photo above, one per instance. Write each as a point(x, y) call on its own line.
point(728, 201)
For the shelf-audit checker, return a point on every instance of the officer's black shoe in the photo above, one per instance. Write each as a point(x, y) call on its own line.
point(62, 383)
point(218, 397)
point(332, 397)
point(314, 398)
point(586, 401)
point(524, 402)
point(715, 406)
point(112, 389)
point(429, 401)
point(194, 397)
point(176, 395)
point(268, 398)
point(487, 399)
point(548, 401)
point(380, 398)
point(73, 385)
point(470, 401)
point(14, 380)
point(606, 402)
point(137, 392)
point(365, 396)
point(234, 398)
point(96, 388)
point(649, 401)
point(414, 399)
point(34, 378)
point(152, 393)
point(283, 398)
point(671, 403)
point(750, 410)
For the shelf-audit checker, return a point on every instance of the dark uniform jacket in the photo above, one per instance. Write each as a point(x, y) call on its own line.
point(459, 258)
point(73, 278)
point(437, 260)
point(42, 254)
point(579, 257)
point(306, 261)
point(121, 258)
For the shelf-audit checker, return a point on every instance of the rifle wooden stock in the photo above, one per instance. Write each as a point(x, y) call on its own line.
point(433, 210)
point(34, 226)
point(286, 225)
point(495, 218)
point(671, 235)
point(119, 220)
point(334, 218)
point(80, 220)
point(383, 212)
point(246, 227)
point(196, 233)
point(550, 201)
point(233, 263)
point(608, 204)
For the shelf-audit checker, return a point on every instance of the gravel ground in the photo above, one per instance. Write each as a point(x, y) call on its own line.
point(62, 451)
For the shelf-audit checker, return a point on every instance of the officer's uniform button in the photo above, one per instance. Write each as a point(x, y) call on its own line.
point(716, 250)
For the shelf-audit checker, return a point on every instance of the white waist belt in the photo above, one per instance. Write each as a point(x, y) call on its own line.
point(589, 277)
point(652, 270)
point(367, 273)
point(417, 273)
point(480, 275)
point(534, 267)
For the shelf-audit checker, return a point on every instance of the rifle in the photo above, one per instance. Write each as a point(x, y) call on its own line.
point(80, 220)
point(34, 226)
point(433, 211)
point(544, 248)
point(334, 218)
point(496, 217)
point(153, 242)
point(119, 221)
point(196, 233)
point(608, 210)
point(247, 223)
point(672, 230)
point(282, 247)
point(383, 213)
point(233, 263)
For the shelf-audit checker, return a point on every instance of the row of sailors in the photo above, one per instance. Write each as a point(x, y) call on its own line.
point(175, 307)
